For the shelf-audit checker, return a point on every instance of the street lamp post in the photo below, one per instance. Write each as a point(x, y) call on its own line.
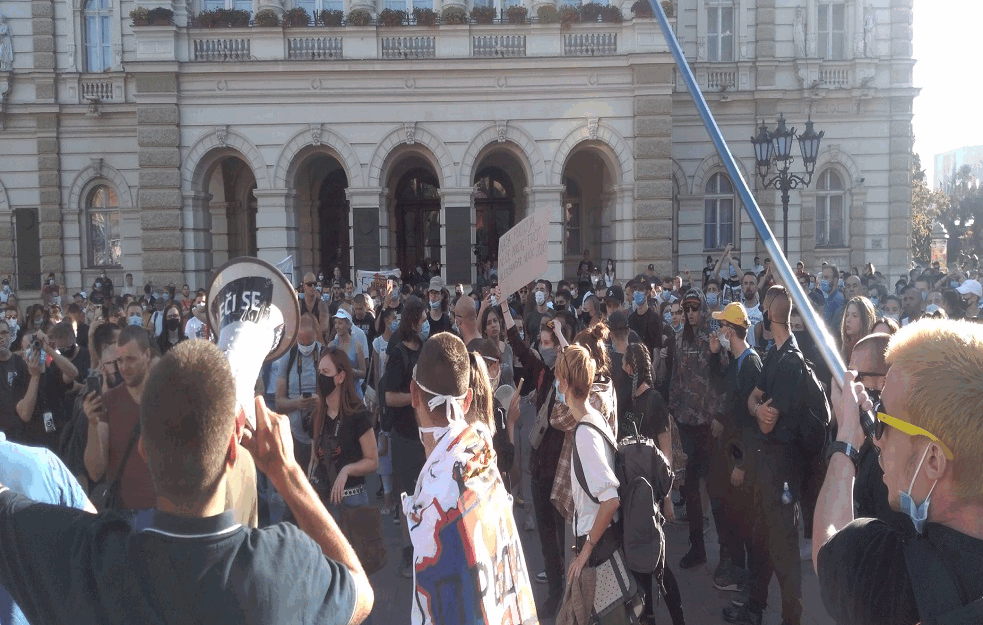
point(776, 147)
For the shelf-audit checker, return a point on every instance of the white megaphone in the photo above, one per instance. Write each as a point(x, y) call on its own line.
point(254, 312)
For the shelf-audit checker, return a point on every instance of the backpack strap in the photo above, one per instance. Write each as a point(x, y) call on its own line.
point(936, 593)
point(578, 467)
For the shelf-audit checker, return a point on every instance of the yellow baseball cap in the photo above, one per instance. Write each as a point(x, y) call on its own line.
point(734, 313)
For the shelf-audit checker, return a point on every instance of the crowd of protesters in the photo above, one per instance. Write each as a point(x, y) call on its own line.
point(459, 399)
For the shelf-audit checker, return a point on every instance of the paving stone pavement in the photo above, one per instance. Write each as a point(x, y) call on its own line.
point(702, 603)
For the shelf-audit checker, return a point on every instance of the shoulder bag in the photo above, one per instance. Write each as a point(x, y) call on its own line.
point(105, 495)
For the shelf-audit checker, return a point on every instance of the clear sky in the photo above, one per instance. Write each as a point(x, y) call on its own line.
point(947, 45)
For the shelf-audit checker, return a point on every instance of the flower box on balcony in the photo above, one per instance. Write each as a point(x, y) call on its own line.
point(359, 17)
point(267, 18)
point(483, 14)
point(516, 14)
point(424, 17)
point(330, 17)
point(296, 17)
point(391, 18)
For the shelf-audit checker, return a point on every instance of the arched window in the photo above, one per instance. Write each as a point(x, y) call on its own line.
point(97, 19)
point(720, 31)
point(103, 236)
point(572, 200)
point(718, 212)
point(494, 210)
point(830, 210)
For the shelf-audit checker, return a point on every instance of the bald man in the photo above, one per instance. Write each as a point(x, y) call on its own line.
point(466, 317)
point(869, 492)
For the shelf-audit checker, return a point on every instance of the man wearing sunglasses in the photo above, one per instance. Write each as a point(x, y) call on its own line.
point(929, 434)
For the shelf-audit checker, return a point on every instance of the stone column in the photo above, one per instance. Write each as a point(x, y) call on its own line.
point(159, 198)
point(652, 228)
point(199, 237)
point(365, 210)
point(550, 200)
point(47, 131)
point(457, 223)
point(276, 225)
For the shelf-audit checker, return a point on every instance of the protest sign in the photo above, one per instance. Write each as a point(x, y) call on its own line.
point(365, 280)
point(522, 253)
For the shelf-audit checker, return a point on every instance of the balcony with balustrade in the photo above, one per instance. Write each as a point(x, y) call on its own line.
point(410, 41)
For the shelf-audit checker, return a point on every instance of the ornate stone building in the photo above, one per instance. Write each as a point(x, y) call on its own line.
point(165, 150)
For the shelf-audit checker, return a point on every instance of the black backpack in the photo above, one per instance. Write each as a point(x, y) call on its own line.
point(645, 478)
point(814, 415)
point(936, 593)
point(385, 411)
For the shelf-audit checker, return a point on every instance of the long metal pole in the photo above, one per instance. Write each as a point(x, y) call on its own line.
point(814, 323)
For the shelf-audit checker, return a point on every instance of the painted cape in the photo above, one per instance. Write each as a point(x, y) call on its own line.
point(468, 564)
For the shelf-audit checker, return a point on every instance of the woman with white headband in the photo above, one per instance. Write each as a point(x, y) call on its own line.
point(460, 515)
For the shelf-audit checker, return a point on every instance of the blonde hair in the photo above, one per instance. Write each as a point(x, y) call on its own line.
point(576, 366)
point(944, 359)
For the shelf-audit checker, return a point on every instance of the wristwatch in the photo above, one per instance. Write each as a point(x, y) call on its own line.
point(846, 449)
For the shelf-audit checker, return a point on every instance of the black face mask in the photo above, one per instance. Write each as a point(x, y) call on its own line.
point(325, 384)
point(767, 322)
point(173, 324)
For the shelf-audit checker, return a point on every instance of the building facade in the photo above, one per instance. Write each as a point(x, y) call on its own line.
point(164, 150)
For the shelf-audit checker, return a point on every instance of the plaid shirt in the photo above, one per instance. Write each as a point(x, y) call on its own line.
point(602, 399)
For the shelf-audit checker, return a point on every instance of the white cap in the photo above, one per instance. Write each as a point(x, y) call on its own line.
point(970, 287)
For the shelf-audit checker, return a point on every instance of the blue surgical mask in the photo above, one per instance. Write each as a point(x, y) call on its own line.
point(712, 299)
point(435, 305)
point(393, 325)
point(917, 513)
point(667, 317)
point(824, 285)
point(639, 298)
point(425, 331)
point(678, 327)
point(134, 320)
point(559, 396)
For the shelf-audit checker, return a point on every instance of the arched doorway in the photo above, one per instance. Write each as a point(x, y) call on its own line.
point(494, 205)
point(588, 209)
point(232, 206)
point(320, 183)
point(417, 213)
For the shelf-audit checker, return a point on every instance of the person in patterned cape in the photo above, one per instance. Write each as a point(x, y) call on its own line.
point(468, 564)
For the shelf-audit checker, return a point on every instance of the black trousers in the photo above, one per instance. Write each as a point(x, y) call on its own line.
point(775, 549)
point(669, 591)
point(698, 445)
point(549, 524)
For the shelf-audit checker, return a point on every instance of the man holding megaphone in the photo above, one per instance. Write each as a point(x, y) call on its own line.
point(194, 562)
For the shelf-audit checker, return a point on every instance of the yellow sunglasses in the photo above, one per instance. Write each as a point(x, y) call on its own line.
point(908, 428)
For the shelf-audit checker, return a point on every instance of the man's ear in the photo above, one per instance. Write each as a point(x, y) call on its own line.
point(140, 449)
point(468, 398)
point(414, 395)
point(232, 454)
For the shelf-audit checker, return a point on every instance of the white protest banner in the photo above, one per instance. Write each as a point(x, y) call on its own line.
point(286, 267)
point(364, 280)
point(522, 253)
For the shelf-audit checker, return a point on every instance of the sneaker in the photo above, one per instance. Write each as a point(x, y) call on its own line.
point(742, 616)
point(728, 579)
point(694, 557)
point(541, 577)
point(743, 593)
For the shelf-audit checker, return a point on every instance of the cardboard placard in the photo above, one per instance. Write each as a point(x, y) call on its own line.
point(523, 252)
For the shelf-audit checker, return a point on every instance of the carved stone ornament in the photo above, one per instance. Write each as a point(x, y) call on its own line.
point(316, 134)
point(96, 164)
point(503, 129)
point(6, 46)
point(221, 134)
point(592, 126)
point(409, 133)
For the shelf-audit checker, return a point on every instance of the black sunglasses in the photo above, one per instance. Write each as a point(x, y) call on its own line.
point(691, 308)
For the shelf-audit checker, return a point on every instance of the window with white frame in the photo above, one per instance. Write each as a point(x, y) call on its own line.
point(97, 21)
point(832, 31)
point(314, 7)
point(407, 5)
point(830, 210)
point(102, 227)
point(720, 33)
point(718, 212)
point(211, 5)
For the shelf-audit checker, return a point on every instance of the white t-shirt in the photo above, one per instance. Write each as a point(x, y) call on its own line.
point(195, 328)
point(597, 459)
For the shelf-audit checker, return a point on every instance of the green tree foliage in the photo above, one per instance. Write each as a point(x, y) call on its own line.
point(927, 205)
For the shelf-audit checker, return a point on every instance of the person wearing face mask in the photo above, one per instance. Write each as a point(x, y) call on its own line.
point(14, 379)
point(296, 386)
point(696, 403)
point(493, 329)
point(356, 347)
point(972, 293)
point(439, 320)
point(829, 285)
point(546, 444)
point(648, 324)
point(173, 332)
point(102, 289)
point(345, 449)
point(197, 325)
point(134, 314)
point(926, 430)
point(675, 317)
point(398, 416)
point(534, 315)
point(454, 436)
point(5, 291)
point(733, 462)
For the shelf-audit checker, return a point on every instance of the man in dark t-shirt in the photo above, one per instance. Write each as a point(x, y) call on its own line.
point(194, 563)
point(14, 378)
point(930, 447)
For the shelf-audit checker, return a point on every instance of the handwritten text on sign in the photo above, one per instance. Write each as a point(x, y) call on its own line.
point(522, 253)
